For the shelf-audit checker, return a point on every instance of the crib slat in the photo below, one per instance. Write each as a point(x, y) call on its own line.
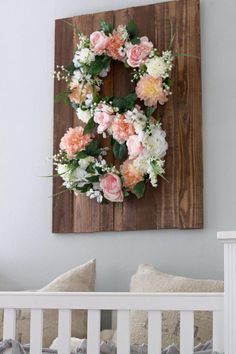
point(36, 330)
point(186, 332)
point(123, 332)
point(154, 332)
point(9, 325)
point(218, 331)
point(64, 331)
point(94, 324)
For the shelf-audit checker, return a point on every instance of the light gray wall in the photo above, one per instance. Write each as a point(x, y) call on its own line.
point(30, 255)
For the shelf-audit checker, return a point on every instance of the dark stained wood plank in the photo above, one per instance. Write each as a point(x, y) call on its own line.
point(177, 203)
point(63, 212)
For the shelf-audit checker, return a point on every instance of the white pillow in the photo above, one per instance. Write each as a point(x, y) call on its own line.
point(150, 279)
point(81, 278)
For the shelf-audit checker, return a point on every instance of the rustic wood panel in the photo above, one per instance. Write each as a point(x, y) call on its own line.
point(177, 203)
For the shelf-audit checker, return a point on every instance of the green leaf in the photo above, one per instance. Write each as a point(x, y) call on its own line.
point(89, 126)
point(101, 62)
point(93, 148)
point(62, 97)
point(135, 40)
point(85, 188)
point(150, 111)
point(70, 67)
point(139, 189)
point(132, 29)
point(81, 155)
point(93, 178)
point(119, 150)
point(106, 27)
point(90, 169)
point(168, 82)
point(125, 103)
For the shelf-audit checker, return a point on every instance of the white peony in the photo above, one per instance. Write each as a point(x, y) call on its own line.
point(156, 67)
point(156, 143)
point(83, 115)
point(86, 161)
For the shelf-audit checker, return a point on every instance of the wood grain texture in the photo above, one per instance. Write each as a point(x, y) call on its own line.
point(177, 203)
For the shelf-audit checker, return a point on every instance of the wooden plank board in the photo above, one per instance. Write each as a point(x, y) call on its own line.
point(177, 203)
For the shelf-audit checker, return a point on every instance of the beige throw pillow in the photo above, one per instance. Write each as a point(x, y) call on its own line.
point(150, 279)
point(81, 278)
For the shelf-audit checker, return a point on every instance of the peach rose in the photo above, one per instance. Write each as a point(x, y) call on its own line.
point(130, 174)
point(104, 116)
point(112, 187)
point(114, 47)
point(80, 92)
point(137, 53)
point(74, 141)
point(135, 147)
point(122, 130)
point(150, 90)
point(98, 42)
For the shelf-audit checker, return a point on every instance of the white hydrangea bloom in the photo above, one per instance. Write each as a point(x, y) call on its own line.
point(156, 67)
point(86, 56)
point(83, 115)
point(83, 56)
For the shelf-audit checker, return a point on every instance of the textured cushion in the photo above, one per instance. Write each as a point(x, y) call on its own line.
point(81, 278)
point(150, 279)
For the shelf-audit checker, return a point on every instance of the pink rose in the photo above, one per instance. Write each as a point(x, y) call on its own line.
point(98, 42)
point(104, 116)
point(112, 188)
point(135, 147)
point(139, 52)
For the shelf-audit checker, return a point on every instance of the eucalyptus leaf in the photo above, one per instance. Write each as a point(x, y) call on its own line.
point(106, 27)
point(139, 189)
point(93, 148)
point(81, 155)
point(100, 63)
point(119, 150)
point(132, 29)
point(135, 40)
point(85, 188)
point(150, 111)
point(125, 103)
point(89, 126)
point(93, 178)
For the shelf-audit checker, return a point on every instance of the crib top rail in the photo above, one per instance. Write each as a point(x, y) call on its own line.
point(113, 301)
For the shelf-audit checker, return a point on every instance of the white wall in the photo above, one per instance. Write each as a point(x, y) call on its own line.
point(30, 255)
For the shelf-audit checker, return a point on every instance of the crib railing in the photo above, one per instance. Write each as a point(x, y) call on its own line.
point(154, 304)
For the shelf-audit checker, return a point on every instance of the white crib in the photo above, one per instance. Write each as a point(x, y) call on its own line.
point(222, 305)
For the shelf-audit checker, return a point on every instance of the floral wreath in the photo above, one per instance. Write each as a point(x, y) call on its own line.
point(137, 138)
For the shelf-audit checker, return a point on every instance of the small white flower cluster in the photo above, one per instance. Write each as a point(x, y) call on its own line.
point(137, 118)
point(77, 178)
point(61, 73)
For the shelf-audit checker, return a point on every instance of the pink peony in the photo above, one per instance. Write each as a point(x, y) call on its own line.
point(135, 147)
point(139, 52)
point(114, 47)
point(150, 90)
point(112, 187)
point(130, 174)
point(98, 42)
point(122, 130)
point(74, 140)
point(104, 116)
